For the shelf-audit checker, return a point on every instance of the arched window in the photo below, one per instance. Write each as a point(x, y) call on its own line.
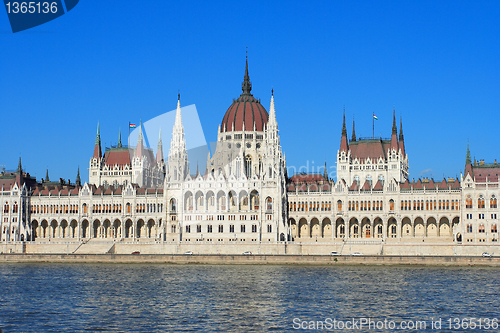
point(493, 202)
point(129, 207)
point(269, 203)
point(481, 228)
point(339, 205)
point(173, 205)
point(468, 202)
point(248, 166)
point(480, 202)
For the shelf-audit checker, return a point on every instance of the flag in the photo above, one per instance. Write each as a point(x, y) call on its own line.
point(131, 125)
point(375, 117)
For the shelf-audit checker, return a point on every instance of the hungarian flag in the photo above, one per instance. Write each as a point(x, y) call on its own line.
point(131, 125)
point(375, 117)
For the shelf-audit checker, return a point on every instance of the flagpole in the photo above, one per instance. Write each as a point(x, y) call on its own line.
point(129, 135)
point(373, 121)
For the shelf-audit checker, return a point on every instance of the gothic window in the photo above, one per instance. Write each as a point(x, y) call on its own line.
point(173, 205)
point(254, 228)
point(493, 202)
point(173, 229)
point(481, 228)
point(238, 167)
point(209, 228)
point(269, 228)
point(391, 205)
point(242, 228)
point(188, 229)
point(248, 166)
point(221, 228)
point(339, 205)
point(480, 202)
point(468, 202)
point(198, 228)
point(494, 228)
point(269, 203)
point(356, 179)
point(231, 228)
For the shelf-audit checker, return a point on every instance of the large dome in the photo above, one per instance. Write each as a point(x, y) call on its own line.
point(245, 110)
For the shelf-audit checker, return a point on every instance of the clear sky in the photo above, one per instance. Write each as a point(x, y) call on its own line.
point(112, 62)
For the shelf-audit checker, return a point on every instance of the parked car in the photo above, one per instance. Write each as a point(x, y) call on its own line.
point(189, 253)
point(136, 252)
point(486, 254)
point(357, 254)
point(335, 253)
point(247, 252)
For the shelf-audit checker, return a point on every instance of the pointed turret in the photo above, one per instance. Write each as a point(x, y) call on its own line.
point(394, 136)
point(353, 131)
point(78, 181)
point(159, 150)
point(344, 146)
point(47, 179)
point(97, 147)
point(120, 139)
point(401, 138)
point(177, 156)
point(325, 173)
point(246, 86)
point(468, 163)
point(20, 167)
point(272, 113)
point(140, 142)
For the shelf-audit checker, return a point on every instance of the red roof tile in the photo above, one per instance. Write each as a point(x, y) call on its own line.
point(443, 185)
point(119, 157)
point(372, 149)
point(354, 186)
point(378, 186)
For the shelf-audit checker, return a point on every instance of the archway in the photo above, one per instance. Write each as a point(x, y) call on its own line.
point(303, 228)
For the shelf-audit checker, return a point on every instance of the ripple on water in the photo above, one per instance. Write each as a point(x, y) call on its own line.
point(142, 298)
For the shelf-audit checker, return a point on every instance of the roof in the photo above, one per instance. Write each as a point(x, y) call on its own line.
point(369, 148)
point(245, 110)
point(117, 156)
point(312, 178)
point(483, 172)
point(248, 110)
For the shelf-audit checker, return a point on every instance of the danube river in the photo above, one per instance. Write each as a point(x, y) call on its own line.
point(244, 298)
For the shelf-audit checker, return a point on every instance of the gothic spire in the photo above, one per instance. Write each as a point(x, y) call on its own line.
point(120, 139)
point(47, 176)
point(246, 86)
point(394, 136)
point(140, 141)
point(394, 127)
point(20, 167)
point(344, 129)
point(159, 150)
point(344, 146)
point(353, 131)
point(97, 146)
point(272, 111)
point(78, 181)
point(401, 137)
point(325, 174)
point(467, 156)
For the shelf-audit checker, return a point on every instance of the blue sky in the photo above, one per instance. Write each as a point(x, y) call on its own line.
point(118, 61)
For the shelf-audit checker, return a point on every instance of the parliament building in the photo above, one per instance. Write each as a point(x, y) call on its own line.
point(246, 201)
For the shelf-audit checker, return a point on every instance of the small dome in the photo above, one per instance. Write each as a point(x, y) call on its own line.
point(245, 110)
